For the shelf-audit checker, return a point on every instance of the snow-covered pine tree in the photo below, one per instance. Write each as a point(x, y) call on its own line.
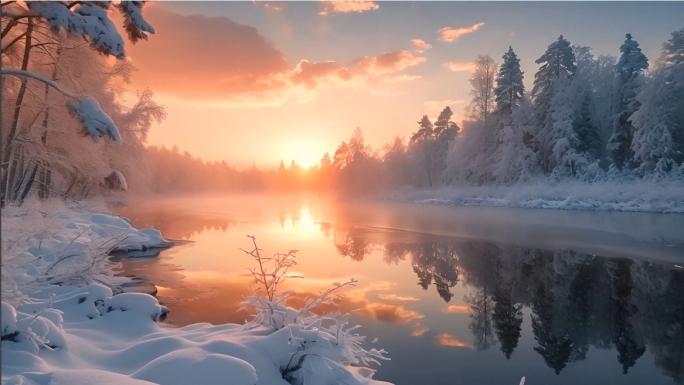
point(559, 59)
point(659, 138)
point(564, 142)
point(421, 142)
point(445, 132)
point(587, 131)
point(603, 79)
point(628, 82)
point(514, 160)
point(509, 84)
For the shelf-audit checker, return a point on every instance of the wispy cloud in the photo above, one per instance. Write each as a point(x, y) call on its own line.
point(460, 66)
point(446, 339)
point(421, 45)
point(387, 62)
point(448, 34)
point(279, 6)
point(394, 297)
point(456, 309)
point(347, 6)
point(418, 330)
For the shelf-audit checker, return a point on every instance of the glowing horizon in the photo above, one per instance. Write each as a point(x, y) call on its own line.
point(260, 83)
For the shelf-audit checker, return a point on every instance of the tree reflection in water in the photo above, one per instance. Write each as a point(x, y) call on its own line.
point(577, 301)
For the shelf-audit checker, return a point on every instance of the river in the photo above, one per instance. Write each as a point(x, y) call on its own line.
point(456, 295)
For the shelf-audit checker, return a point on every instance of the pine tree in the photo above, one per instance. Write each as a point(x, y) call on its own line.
point(509, 84)
point(587, 131)
point(507, 319)
point(563, 141)
point(630, 67)
point(422, 141)
point(443, 122)
point(514, 160)
point(658, 143)
point(559, 59)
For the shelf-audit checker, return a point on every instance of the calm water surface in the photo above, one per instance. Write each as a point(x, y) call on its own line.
point(456, 295)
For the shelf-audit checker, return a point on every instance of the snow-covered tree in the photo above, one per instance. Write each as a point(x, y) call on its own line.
point(628, 82)
point(587, 131)
point(509, 88)
point(423, 144)
point(472, 157)
point(557, 61)
point(514, 159)
point(88, 20)
point(563, 142)
point(659, 122)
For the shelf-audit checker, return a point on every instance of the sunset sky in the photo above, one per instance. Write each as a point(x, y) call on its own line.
point(260, 82)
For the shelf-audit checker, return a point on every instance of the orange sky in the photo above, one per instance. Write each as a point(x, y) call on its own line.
point(262, 82)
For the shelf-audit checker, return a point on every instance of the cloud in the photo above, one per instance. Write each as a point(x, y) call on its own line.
point(456, 309)
point(440, 104)
point(203, 56)
point(447, 34)
point(418, 330)
point(460, 66)
point(357, 301)
point(389, 313)
point(446, 339)
point(347, 6)
point(216, 62)
point(386, 63)
point(394, 297)
point(420, 45)
point(275, 6)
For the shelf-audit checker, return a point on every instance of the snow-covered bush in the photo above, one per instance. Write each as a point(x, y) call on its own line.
point(324, 344)
point(42, 248)
point(33, 332)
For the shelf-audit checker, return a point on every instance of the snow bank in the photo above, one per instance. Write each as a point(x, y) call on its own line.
point(129, 347)
point(60, 245)
point(638, 196)
point(62, 323)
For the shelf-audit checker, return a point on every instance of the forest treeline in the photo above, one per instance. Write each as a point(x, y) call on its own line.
point(587, 118)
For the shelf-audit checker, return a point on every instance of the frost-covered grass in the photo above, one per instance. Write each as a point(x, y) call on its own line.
point(62, 324)
point(636, 196)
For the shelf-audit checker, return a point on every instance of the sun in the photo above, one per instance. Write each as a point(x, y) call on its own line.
point(306, 153)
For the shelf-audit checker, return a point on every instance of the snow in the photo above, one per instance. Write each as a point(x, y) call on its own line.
point(645, 196)
point(94, 120)
point(88, 20)
point(65, 246)
point(82, 332)
point(129, 347)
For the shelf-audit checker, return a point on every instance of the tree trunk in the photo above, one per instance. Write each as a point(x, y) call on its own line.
point(15, 119)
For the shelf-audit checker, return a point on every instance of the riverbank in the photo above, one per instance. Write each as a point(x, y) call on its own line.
point(600, 196)
point(63, 323)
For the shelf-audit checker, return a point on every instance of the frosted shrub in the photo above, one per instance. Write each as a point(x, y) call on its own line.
point(320, 352)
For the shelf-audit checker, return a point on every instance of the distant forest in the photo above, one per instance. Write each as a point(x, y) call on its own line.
point(587, 118)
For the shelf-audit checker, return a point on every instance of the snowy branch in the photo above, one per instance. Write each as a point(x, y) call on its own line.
point(94, 121)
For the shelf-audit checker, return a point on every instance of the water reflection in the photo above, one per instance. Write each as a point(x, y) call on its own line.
point(578, 301)
point(176, 224)
point(546, 305)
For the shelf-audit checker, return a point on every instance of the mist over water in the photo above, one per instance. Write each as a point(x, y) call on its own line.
point(455, 294)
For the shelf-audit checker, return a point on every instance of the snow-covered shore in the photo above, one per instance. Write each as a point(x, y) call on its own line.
point(636, 197)
point(62, 324)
